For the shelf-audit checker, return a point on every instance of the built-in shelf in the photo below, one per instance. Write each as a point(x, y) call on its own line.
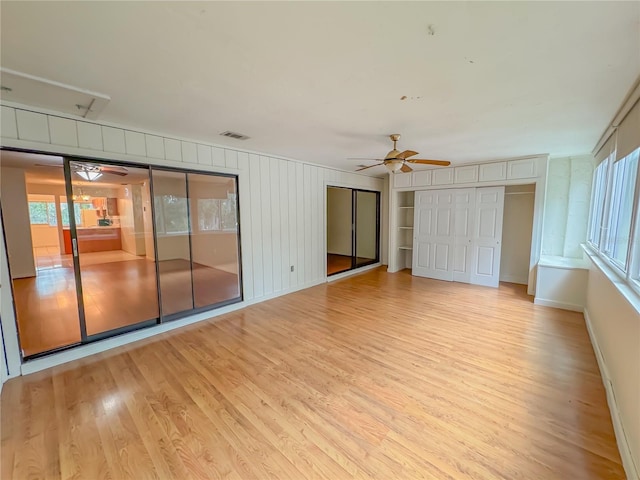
point(406, 247)
point(406, 228)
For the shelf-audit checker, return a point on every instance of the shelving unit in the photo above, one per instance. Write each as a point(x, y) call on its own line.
point(404, 234)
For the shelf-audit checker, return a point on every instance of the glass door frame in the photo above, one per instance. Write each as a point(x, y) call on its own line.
point(196, 310)
point(354, 228)
point(88, 339)
point(84, 336)
point(354, 233)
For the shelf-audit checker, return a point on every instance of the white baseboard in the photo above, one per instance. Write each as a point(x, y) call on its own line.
point(621, 438)
point(564, 306)
point(339, 276)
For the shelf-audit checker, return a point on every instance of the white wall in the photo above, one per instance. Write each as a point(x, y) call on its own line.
point(566, 210)
point(516, 233)
point(615, 327)
point(339, 213)
point(16, 221)
point(130, 215)
point(9, 329)
point(44, 236)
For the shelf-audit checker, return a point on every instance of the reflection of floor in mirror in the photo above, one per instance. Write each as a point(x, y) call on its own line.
point(210, 285)
point(340, 263)
point(115, 294)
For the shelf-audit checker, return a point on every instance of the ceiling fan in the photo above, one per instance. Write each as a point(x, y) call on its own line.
point(397, 161)
point(91, 171)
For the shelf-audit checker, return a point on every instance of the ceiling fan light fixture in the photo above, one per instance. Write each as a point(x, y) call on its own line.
point(393, 165)
point(89, 175)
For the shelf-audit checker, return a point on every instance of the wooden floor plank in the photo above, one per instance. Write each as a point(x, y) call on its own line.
point(375, 376)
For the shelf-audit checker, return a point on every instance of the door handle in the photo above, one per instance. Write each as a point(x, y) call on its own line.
point(74, 242)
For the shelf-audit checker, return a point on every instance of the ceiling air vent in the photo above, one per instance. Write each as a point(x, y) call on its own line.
point(237, 136)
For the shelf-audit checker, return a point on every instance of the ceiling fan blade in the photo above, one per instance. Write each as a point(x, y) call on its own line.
point(442, 163)
point(364, 168)
point(406, 154)
point(114, 171)
point(406, 168)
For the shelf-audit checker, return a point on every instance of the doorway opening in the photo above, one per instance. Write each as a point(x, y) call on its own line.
point(353, 229)
point(519, 201)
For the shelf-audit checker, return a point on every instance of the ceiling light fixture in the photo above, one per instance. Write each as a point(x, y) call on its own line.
point(393, 165)
point(89, 175)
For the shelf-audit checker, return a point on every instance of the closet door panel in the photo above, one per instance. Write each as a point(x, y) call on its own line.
point(433, 234)
point(488, 235)
point(464, 214)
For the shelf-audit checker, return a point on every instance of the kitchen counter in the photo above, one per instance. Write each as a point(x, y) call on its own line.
point(94, 239)
point(109, 227)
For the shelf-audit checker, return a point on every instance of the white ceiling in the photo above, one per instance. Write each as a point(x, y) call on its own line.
point(323, 81)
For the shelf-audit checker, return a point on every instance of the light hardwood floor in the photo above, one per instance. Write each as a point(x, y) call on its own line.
point(379, 375)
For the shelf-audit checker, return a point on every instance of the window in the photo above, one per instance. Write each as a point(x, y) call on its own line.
point(614, 223)
point(597, 203)
point(171, 213)
point(77, 207)
point(621, 209)
point(217, 214)
point(38, 213)
point(43, 213)
point(208, 214)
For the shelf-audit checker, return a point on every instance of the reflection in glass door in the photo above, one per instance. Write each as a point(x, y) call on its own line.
point(97, 249)
point(214, 239)
point(174, 249)
point(339, 230)
point(353, 229)
point(42, 274)
point(111, 235)
point(366, 228)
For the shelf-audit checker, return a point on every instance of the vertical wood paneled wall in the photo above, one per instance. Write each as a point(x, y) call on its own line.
point(282, 202)
point(282, 212)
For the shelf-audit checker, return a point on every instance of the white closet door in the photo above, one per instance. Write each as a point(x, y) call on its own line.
point(433, 234)
point(487, 236)
point(463, 231)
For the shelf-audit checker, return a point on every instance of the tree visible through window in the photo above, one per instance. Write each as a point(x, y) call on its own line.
point(217, 214)
point(38, 213)
point(171, 214)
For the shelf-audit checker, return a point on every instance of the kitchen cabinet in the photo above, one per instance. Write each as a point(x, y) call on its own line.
point(94, 239)
point(112, 207)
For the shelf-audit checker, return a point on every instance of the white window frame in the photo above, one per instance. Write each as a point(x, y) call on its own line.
point(630, 275)
point(594, 200)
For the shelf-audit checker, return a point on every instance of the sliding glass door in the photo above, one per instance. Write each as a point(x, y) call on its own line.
point(98, 249)
point(172, 233)
point(366, 227)
point(353, 229)
point(109, 236)
point(198, 241)
point(215, 256)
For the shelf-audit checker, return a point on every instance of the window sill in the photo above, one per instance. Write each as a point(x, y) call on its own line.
point(565, 263)
point(620, 284)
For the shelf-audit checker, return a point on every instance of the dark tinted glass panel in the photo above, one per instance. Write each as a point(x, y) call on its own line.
point(214, 239)
point(172, 231)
